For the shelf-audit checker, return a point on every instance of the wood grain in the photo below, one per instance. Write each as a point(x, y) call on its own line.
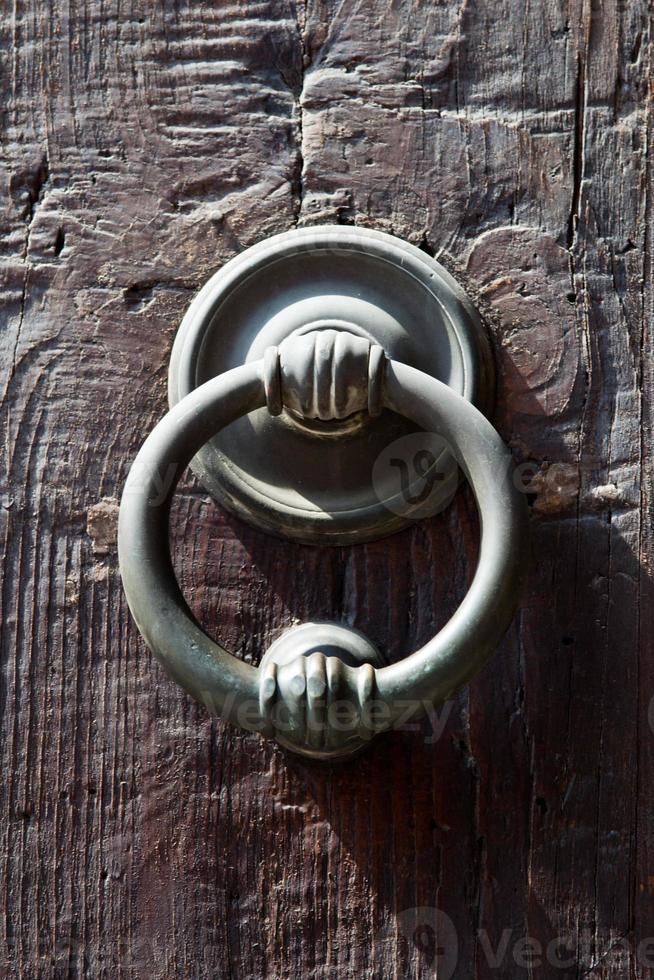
point(142, 146)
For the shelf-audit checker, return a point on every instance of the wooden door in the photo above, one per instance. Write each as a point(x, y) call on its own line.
point(144, 144)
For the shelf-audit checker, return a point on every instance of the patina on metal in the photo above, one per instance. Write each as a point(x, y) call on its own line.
point(322, 690)
point(305, 472)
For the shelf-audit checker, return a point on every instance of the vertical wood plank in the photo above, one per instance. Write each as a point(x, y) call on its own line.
point(143, 146)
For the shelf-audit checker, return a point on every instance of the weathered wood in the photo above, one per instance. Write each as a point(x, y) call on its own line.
point(143, 145)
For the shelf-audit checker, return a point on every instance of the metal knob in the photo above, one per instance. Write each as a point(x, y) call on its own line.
point(321, 689)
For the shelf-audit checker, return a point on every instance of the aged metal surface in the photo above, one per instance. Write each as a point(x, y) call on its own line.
point(276, 473)
point(301, 703)
point(143, 146)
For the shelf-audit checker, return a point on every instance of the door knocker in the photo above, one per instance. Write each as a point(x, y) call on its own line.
point(293, 369)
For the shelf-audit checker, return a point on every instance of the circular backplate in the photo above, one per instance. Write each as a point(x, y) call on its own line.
point(317, 482)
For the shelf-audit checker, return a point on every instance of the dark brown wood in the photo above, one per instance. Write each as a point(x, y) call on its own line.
point(143, 145)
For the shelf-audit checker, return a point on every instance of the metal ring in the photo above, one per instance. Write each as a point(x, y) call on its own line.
point(301, 686)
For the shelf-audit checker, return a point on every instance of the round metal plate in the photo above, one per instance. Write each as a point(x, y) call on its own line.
point(321, 482)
